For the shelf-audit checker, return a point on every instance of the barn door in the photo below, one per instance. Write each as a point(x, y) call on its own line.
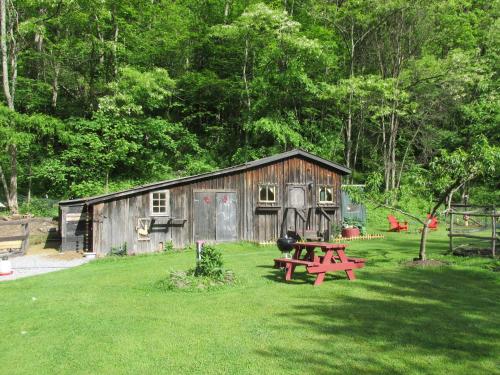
point(204, 216)
point(215, 216)
point(226, 221)
point(297, 205)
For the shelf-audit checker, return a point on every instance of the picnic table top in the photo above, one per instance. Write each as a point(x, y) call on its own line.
point(323, 245)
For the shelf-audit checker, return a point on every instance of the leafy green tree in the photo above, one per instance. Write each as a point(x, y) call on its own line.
point(447, 172)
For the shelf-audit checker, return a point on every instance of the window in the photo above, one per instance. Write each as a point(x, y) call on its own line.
point(267, 193)
point(326, 194)
point(160, 203)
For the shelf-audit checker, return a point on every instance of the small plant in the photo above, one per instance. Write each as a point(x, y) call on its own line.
point(211, 263)
point(168, 247)
point(187, 281)
point(119, 250)
point(208, 274)
point(350, 222)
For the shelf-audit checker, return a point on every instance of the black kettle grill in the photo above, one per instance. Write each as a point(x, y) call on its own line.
point(285, 244)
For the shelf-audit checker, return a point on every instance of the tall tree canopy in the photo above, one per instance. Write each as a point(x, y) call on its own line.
point(100, 95)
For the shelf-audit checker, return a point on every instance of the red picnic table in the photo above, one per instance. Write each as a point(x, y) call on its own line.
point(334, 259)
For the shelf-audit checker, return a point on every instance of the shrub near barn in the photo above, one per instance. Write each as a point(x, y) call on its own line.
point(209, 273)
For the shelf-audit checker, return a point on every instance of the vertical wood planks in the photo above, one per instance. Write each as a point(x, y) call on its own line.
point(114, 222)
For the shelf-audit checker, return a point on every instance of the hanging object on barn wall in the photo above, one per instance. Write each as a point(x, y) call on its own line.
point(142, 228)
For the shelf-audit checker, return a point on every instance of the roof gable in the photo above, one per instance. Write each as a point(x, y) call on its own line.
point(238, 168)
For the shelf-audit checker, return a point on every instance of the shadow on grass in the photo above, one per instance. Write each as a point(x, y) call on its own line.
point(300, 275)
point(417, 320)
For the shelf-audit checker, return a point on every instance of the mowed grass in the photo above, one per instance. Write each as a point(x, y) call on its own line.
point(107, 317)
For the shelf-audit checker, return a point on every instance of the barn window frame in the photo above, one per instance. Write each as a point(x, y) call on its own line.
point(269, 188)
point(326, 188)
point(159, 205)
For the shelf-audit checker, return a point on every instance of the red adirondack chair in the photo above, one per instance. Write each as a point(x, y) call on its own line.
point(433, 225)
point(396, 226)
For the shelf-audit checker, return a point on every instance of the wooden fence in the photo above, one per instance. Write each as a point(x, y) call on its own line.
point(475, 223)
point(15, 244)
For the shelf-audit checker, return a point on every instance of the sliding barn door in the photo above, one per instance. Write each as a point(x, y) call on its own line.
point(204, 216)
point(215, 216)
point(226, 222)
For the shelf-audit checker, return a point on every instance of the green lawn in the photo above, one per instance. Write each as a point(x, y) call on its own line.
point(106, 317)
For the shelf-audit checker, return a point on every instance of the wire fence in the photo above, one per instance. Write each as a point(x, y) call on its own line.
point(473, 229)
point(352, 210)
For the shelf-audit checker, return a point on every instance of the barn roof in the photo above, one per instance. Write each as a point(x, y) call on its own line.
point(237, 168)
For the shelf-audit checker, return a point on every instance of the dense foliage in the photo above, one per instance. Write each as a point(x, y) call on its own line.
point(101, 95)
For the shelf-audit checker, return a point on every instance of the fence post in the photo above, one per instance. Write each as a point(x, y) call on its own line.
point(26, 241)
point(450, 235)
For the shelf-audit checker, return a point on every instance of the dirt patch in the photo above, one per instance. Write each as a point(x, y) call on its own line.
point(425, 263)
point(53, 252)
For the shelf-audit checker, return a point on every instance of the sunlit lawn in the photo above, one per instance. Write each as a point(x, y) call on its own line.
point(106, 317)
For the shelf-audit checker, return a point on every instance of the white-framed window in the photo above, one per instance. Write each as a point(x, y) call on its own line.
point(325, 194)
point(267, 193)
point(160, 203)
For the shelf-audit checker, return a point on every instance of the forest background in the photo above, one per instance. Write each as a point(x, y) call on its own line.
point(101, 95)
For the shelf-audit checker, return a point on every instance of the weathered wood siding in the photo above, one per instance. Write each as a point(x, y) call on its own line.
point(114, 223)
point(74, 227)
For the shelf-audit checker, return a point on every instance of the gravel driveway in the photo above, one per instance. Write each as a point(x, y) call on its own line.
point(30, 265)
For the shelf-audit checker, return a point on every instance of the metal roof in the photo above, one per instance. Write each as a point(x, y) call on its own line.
point(237, 168)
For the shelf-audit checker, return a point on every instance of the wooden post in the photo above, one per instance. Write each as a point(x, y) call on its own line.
point(451, 232)
point(493, 232)
point(26, 241)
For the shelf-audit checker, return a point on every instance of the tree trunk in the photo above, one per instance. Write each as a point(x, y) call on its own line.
point(3, 46)
point(423, 241)
point(13, 28)
point(114, 47)
point(227, 8)
point(55, 86)
point(13, 204)
point(100, 36)
point(247, 91)
point(385, 156)
point(358, 137)
point(8, 89)
point(348, 128)
point(401, 167)
point(392, 145)
point(4, 185)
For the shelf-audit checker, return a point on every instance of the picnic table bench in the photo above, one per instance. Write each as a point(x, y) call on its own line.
point(334, 259)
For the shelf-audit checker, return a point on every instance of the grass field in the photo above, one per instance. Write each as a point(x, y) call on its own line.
point(106, 317)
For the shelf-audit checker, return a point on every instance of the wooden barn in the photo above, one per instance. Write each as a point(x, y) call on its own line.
point(256, 201)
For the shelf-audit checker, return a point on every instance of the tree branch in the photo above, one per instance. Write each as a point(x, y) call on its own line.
point(400, 211)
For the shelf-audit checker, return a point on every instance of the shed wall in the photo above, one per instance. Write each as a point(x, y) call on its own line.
point(114, 223)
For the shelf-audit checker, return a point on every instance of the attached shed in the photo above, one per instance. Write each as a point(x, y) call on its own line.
point(256, 201)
